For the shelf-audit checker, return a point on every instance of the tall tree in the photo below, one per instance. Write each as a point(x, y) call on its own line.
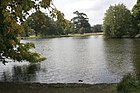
point(136, 15)
point(80, 23)
point(11, 12)
point(117, 21)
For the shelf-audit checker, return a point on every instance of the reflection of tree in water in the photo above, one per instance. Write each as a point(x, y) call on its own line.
point(22, 73)
point(136, 57)
point(119, 55)
point(5, 76)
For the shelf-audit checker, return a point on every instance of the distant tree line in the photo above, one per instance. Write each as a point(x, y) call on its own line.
point(41, 24)
point(97, 28)
point(118, 22)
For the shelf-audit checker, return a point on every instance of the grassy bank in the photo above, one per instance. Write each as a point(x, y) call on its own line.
point(57, 36)
point(86, 34)
point(6, 87)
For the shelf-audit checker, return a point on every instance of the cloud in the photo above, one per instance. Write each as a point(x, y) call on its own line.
point(94, 9)
point(85, 5)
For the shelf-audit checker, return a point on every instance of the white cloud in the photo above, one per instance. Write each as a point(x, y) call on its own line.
point(94, 9)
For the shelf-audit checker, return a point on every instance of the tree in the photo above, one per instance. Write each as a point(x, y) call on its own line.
point(136, 15)
point(52, 28)
point(81, 22)
point(27, 29)
point(59, 28)
point(117, 21)
point(39, 22)
point(97, 28)
point(44, 25)
point(12, 12)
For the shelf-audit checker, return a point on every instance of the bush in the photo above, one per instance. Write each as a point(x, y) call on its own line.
point(129, 84)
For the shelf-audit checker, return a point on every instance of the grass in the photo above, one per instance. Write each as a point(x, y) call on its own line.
point(86, 34)
point(57, 36)
point(15, 87)
point(7, 87)
point(129, 84)
point(30, 37)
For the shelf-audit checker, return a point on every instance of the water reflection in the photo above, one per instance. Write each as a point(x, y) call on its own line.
point(137, 56)
point(21, 73)
point(119, 56)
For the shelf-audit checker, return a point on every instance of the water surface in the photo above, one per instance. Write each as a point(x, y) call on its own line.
point(92, 59)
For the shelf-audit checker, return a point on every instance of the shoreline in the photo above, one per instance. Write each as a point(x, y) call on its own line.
point(18, 87)
point(59, 36)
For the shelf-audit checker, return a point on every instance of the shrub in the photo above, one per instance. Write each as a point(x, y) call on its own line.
point(128, 84)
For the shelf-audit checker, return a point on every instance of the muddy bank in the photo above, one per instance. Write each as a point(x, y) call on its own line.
point(7, 87)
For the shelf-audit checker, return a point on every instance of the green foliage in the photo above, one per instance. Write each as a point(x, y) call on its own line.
point(39, 22)
point(97, 28)
point(129, 84)
point(26, 30)
point(12, 12)
point(23, 51)
point(44, 25)
point(82, 30)
point(136, 14)
point(117, 21)
point(81, 22)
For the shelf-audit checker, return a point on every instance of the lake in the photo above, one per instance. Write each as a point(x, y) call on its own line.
point(91, 59)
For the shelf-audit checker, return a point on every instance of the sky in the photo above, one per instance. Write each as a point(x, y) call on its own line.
point(95, 9)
